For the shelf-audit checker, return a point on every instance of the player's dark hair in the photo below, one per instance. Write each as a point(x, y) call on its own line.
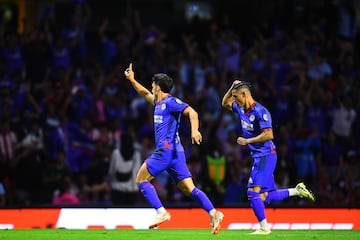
point(243, 84)
point(164, 81)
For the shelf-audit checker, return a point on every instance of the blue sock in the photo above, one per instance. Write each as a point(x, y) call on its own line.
point(202, 199)
point(257, 205)
point(149, 192)
point(277, 195)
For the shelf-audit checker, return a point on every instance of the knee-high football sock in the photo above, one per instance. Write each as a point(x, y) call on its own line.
point(202, 199)
point(277, 195)
point(149, 192)
point(256, 204)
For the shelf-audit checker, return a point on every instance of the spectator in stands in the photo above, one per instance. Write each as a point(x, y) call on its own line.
point(306, 146)
point(331, 154)
point(13, 53)
point(124, 164)
point(65, 197)
point(8, 146)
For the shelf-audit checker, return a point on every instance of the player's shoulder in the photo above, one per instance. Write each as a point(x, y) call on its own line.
point(260, 108)
point(174, 100)
point(262, 112)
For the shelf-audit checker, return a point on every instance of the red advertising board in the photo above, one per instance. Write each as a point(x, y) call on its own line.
point(140, 218)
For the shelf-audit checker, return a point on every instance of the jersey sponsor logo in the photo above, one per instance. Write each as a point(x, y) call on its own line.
point(158, 119)
point(247, 126)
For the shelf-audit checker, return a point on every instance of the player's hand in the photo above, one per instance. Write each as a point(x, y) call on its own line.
point(235, 82)
point(196, 138)
point(129, 73)
point(241, 141)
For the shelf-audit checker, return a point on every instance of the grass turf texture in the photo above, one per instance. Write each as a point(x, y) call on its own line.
point(173, 234)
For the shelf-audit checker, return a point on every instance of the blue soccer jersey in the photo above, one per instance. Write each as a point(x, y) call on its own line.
point(253, 122)
point(167, 115)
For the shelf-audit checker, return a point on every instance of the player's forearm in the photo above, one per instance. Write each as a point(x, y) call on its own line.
point(227, 100)
point(262, 137)
point(194, 120)
point(140, 89)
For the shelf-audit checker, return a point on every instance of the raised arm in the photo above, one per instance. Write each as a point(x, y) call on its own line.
point(227, 99)
point(194, 123)
point(145, 93)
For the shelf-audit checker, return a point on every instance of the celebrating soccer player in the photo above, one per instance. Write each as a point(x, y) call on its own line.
point(169, 153)
point(257, 130)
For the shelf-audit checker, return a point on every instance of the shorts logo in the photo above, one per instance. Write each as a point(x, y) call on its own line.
point(250, 180)
point(163, 106)
point(252, 118)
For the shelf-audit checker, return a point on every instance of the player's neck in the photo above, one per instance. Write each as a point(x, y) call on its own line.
point(249, 104)
point(161, 96)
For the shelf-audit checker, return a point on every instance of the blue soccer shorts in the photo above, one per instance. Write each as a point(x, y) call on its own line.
point(262, 173)
point(174, 162)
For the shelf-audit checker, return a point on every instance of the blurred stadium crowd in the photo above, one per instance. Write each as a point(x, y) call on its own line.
point(64, 105)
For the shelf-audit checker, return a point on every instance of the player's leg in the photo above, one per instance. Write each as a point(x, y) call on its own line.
point(300, 190)
point(181, 175)
point(260, 182)
point(143, 179)
point(278, 195)
point(155, 164)
point(258, 206)
point(188, 188)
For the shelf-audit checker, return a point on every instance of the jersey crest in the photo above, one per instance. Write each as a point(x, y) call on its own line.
point(266, 117)
point(163, 106)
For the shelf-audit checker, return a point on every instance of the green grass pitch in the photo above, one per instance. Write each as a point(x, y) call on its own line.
point(173, 234)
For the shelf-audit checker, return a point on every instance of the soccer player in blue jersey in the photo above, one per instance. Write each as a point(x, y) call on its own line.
point(169, 153)
point(257, 130)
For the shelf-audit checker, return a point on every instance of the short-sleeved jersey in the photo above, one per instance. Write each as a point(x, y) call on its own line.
point(253, 122)
point(167, 115)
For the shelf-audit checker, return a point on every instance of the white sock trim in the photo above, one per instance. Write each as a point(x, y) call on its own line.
point(264, 225)
point(161, 210)
point(293, 192)
point(212, 212)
